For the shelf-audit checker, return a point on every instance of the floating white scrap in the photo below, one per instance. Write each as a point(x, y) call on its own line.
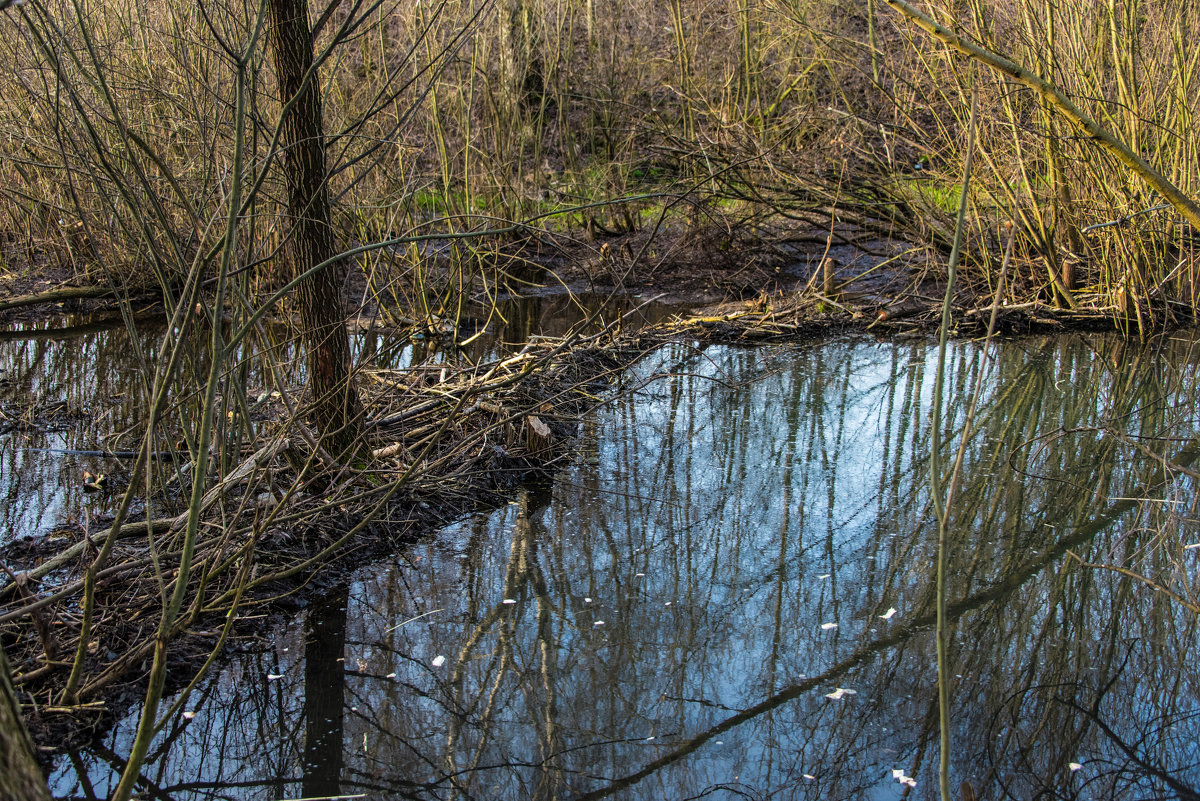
point(438, 661)
point(888, 614)
point(274, 676)
point(587, 600)
point(509, 601)
point(840, 693)
point(824, 575)
point(907, 781)
point(1074, 766)
point(828, 626)
point(810, 777)
point(189, 715)
point(390, 676)
point(598, 623)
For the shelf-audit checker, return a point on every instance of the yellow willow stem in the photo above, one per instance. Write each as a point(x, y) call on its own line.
point(1123, 153)
point(940, 505)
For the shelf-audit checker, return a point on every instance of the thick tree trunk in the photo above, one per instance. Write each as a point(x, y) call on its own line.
point(335, 411)
point(20, 776)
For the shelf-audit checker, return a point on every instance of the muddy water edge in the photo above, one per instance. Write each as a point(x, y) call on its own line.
point(728, 594)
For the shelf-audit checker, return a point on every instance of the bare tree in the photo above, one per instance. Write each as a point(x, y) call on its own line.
point(20, 776)
point(336, 411)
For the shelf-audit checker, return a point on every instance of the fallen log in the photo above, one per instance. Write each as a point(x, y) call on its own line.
point(56, 296)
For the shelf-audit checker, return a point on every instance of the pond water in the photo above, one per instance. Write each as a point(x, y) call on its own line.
point(71, 391)
point(65, 387)
point(729, 595)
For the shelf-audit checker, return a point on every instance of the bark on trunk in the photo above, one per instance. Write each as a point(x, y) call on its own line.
point(20, 776)
point(335, 411)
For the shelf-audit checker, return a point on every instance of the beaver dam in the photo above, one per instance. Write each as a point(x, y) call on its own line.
point(700, 570)
point(539, 399)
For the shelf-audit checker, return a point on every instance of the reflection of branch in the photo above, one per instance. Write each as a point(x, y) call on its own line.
point(456, 679)
point(522, 570)
point(1001, 588)
point(1029, 743)
point(700, 701)
point(514, 581)
point(540, 763)
point(1190, 605)
point(780, 698)
point(1151, 453)
point(548, 652)
point(1184, 792)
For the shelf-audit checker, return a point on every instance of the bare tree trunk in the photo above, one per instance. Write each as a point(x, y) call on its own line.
point(20, 776)
point(335, 411)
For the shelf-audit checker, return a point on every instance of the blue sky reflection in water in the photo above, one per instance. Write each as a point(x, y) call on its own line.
point(62, 388)
point(658, 622)
point(72, 388)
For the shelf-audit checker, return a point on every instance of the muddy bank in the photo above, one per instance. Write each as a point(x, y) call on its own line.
point(852, 281)
point(442, 440)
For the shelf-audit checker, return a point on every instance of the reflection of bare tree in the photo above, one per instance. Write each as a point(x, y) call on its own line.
point(324, 698)
point(1123, 767)
point(718, 519)
point(523, 582)
point(249, 733)
point(986, 598)
point(46, 406)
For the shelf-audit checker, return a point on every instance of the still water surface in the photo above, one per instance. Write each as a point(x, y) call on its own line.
point(72, 390)
point(729, 596)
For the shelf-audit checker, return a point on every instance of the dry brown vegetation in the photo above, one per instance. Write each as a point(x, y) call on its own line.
point(780, 121)
point(472, 143)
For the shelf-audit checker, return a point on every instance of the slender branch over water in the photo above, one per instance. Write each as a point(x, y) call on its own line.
point(941, 504)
